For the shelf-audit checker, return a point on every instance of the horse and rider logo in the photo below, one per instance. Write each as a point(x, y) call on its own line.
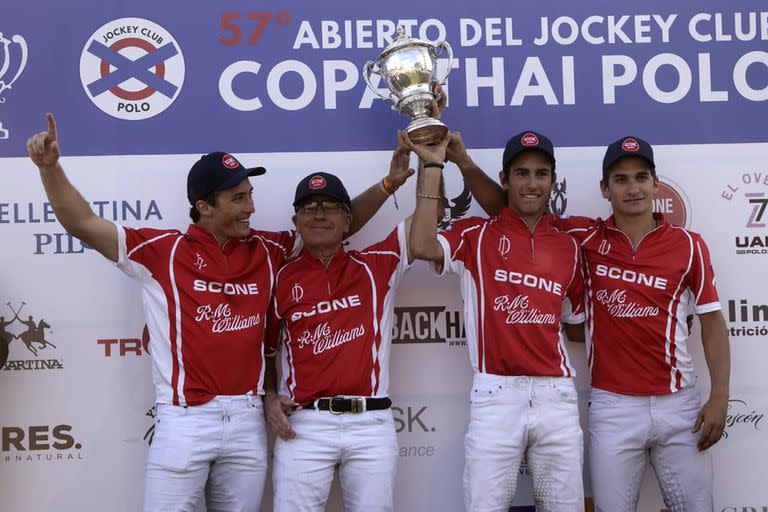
point(33, 336)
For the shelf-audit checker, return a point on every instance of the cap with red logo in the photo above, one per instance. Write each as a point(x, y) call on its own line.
point(627, 146)
point(321, 184)
point(216, 171)
point(527, 141)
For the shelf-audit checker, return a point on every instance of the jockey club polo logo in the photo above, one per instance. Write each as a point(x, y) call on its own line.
point(32, 339)
point(132, 69)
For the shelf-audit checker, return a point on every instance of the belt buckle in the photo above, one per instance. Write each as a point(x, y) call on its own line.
point(355, 404)
point(330, 405)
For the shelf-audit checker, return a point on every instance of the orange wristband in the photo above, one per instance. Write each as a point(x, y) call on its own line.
point(388, 186)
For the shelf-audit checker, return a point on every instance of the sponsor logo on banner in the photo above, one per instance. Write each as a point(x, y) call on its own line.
point(414, 420)
point(455, 208)
point(742, 418)
point(14, 59)
point(132, 69)
point(27, 342)
point(558, 201)
point(750, 195)
point(670, 199)
point(746, 508)
point(747, 319)
point(39, 443)
point(122, 347)
point(44, 241)
point(429, 324)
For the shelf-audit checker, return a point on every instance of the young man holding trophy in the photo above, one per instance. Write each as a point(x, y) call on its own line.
point(520, 278)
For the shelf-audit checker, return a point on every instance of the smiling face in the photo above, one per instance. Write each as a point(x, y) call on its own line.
point(528, 184)
point(630, 187)
point(321, 229)
point(229, 216)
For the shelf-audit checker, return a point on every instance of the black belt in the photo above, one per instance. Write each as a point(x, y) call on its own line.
point(357, 404)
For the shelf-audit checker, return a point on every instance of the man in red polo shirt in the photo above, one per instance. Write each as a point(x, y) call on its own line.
point(206, 294)
point(520, 278)
point(334, 308)
point(644, 277)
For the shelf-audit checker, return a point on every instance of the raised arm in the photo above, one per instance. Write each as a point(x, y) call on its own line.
point(422, 239)
point(489, 194)
point(711, 419)
point(71, 209)
point(365, 205)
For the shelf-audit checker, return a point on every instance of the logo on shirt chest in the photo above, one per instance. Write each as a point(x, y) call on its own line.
point(201, 285)
point(221, 319)
point(618, 306)
point(325, 306)
point(529, 280)
point(518, 310)
point(630, 276)
point(323, 338)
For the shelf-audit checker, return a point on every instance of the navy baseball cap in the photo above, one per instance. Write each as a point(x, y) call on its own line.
point(321, 183)
point(525, 141)
point(216, 171)
point(627, 146)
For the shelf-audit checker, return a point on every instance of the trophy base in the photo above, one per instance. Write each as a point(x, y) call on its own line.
point(427, 131)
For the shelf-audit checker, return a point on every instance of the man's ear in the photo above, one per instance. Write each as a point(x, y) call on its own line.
point(204, 208)
point(504, 179)
point(604, 190)
point(347, 222)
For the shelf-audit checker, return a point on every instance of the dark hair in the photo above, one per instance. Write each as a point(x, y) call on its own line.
point(607, 170)
point(509, 166)
point(194, 213)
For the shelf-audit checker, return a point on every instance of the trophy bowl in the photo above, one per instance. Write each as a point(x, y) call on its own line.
point(408, 67)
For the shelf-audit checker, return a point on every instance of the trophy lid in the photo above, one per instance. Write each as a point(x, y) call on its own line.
point(402, 41)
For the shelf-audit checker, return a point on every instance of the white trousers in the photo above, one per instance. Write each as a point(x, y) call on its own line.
point(364, 448)
point(625, 431)
point(218, 449)
point(515, 416)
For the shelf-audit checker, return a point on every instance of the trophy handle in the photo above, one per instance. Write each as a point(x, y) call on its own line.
point(367, 70)
point(443, 45)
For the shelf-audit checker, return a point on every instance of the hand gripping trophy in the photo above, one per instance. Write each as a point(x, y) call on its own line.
point(408, 66)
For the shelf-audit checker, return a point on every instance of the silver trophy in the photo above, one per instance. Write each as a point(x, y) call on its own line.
point(409, 69)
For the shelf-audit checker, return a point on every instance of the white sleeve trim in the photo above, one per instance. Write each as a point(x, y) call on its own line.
point(707, 308)
point(444, 267)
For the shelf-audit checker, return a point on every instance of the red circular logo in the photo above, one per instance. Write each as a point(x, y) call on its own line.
point(229, 162)
point(630, 145)
point(317, 182)
point(529, 139)
point(670, 201)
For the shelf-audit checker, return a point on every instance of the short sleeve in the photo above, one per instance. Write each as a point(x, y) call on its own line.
point(577, 227)
point(702, 280)
point(281, 245)
point(390, 256)
point(455, 246)
point(573, 303)
point(142, 251)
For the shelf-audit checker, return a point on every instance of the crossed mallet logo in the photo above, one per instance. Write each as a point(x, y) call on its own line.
point(127, 69)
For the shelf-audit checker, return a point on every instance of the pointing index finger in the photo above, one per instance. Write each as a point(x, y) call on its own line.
point(52, 132)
